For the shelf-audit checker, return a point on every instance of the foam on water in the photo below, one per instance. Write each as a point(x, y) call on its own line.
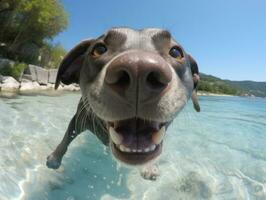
point(216, 154)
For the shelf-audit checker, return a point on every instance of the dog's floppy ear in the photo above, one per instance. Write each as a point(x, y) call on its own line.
point(196, 78)
point(70, 66)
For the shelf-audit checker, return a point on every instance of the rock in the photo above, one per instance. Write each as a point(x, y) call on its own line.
point(39, 74)
point(29, 85)
point(6, 63)
point(31, 71)
point(27, 77)
point(42, 75)
point(9, 84)
point(71, 87)
point(52, 75)
point(50, 86)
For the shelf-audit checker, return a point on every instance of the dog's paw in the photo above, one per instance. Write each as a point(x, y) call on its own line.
point(53, 162)
point(150, 172)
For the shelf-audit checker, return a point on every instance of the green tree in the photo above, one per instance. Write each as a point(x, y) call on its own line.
point(51, 55)
point(57, 54)
point(26, 25)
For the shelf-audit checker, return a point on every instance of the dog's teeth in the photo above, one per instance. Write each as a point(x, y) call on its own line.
point(116, 138)
point(152, 147)
point(147, 149)
point(158, 137)
point(122, 148)
point(127, 149)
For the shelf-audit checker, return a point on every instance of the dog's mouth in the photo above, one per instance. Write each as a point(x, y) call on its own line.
point(136, 141)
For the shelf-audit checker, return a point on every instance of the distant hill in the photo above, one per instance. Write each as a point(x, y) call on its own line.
point(251, 87)
point(214, 84)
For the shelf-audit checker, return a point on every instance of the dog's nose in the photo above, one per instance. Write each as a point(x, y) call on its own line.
point(138, 72)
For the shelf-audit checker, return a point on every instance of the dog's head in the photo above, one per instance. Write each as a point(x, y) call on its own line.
point(134, 81)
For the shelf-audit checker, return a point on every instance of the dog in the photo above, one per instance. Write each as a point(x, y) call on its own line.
point(133, 84)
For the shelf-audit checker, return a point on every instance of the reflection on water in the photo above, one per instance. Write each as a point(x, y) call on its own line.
point(216, 154)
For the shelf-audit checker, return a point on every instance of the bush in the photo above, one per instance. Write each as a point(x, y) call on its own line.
point(13, 70)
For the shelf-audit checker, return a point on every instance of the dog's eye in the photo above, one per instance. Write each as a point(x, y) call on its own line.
point(98, 50)
point(176, 52)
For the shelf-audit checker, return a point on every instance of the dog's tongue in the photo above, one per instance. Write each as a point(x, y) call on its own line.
point(136, 132)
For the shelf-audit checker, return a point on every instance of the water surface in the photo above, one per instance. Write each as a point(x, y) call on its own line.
point(219, 153)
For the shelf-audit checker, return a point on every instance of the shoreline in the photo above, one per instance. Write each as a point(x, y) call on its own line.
point(43, 90)
point(68, 89)
point(48, 92)
point(203, 93)
point(10, 87)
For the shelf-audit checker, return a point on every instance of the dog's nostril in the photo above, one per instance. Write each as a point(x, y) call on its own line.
point(123, 79)
point(153, 81)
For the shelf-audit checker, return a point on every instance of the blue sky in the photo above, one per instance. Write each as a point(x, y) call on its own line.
point(227, 38)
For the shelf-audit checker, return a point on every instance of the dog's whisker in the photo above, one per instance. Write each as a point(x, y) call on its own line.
point(80, 118)
point(95, 121)
point(88, 112)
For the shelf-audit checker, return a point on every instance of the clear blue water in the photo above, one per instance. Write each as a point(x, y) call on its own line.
point(219, 153)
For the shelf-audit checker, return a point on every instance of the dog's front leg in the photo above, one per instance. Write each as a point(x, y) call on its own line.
point(55, 158)
point(150, 172)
